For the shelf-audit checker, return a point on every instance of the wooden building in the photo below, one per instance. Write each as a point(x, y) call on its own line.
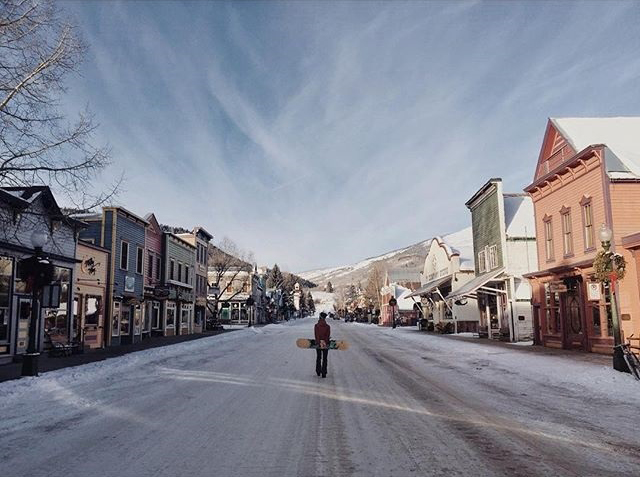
point(588, 174)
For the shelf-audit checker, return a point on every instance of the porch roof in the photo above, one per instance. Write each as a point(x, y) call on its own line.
point(430, 286)
point(478, 282)
point(560, 269)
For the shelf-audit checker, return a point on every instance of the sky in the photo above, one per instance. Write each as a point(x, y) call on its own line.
point(316, 134)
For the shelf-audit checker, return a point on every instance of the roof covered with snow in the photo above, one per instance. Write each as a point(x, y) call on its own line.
point(461, 243)
point(620, 134)
point(518, 215)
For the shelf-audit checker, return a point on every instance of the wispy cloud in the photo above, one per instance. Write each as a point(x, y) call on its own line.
point(317, 135)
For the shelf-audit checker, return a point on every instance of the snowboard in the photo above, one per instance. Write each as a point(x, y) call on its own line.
point(305, 343)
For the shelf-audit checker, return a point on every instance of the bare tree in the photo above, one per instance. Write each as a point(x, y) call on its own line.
point(39, 48)
point(229, 267)
point(373, 286)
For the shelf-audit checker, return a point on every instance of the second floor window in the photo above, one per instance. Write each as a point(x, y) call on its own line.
point(548, 238)
point(140, 261)
point(179, 272)
point(124, 255)
point(493, 257)
point(482, 262)
point(567, 238)
point(150, 266)
point(158, 268)
point(587, 218)
point(172, 267)
point(186, 273)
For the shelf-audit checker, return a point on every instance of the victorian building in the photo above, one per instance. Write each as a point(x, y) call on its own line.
point(179, 273)
point(588, 174)
point(504, 245)
point(155, 292)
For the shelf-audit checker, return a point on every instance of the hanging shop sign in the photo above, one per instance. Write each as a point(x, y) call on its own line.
point(593, 291)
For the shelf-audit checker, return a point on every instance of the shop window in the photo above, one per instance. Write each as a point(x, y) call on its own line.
point(567, 234)
point(140, 261)
point(548, 238)
point(6, 272)
point(137, 319)
point(124, 255)
point(56, 321)
point(155, 316)
point(185, 315)
point(125, 321)
point(595, 319)
point(92, 310)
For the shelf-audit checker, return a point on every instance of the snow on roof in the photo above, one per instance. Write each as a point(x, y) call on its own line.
point(518, 215)
point(460, 242)
point(620, 134)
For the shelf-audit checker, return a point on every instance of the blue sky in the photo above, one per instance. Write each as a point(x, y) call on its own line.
point(318, 134)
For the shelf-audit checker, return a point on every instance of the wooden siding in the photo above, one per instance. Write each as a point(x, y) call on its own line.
point(487, 223)
point(181, 252)
point(132, 232)
point(153, 244)
point(625, 203)
point(555, 150)
point(567, 190)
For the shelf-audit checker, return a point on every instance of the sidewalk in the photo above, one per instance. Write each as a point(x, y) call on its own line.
point(536, 349)
point(48, 363)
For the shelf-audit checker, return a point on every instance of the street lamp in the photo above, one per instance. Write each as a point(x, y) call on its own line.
point(38, 271)
point(250, 303)
point(392, 303)
point(605, 234)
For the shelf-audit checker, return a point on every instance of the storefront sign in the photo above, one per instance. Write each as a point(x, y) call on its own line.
point(557, 287)
point(161, 292)
point(593, 291)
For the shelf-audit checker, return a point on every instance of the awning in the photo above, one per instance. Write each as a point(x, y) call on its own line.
point(472, 286)
point(428, 287)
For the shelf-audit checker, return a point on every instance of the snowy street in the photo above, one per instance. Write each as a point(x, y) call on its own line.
point(397, 403)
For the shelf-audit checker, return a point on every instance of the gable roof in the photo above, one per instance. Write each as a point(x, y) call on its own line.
point(23, 197)
point(621, 135)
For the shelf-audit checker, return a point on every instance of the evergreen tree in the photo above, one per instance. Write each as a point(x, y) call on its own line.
point(275, 278)
point(328, 287)
point(311, 306)
point(303, 301)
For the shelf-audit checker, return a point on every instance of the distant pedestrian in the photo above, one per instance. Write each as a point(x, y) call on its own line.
point(323, 336)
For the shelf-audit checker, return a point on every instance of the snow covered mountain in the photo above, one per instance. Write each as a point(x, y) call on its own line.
point(409, 259)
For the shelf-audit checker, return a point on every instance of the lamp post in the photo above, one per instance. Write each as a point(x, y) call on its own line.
point(38, 267)
point(250, 303)
point(392, 303)
point(605, 234)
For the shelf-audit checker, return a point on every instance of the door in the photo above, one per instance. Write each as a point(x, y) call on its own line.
point(93, 321)
point(573, 324)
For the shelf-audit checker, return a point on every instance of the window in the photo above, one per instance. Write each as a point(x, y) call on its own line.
point(587, 222)
point(179, 272)
point(157, 268)
point(150, 266)
point(548, 238)
point(482, 262)
point(125, 321)
point(186, 273)
point(493, 257)
point(155, 315)
point(171, 315)
point(140, 261)
point(172, 266)
point(124, 255)
point(567, 237)
point(6, 275)
point(185, 315)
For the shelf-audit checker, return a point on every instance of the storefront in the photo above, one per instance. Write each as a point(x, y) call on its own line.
point(571, 310)
point(90, 295)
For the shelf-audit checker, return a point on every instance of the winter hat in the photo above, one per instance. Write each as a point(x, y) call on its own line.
point(323, 315)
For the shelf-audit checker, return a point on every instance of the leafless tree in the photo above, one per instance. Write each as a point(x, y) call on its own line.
point(229, 266)
point(373, 286)
point(39, 48)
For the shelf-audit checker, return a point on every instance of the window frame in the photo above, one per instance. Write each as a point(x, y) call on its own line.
point(122, 243)
point(482, 261)
point(548, 238)
point(567, 232)
point(588, 235)
point(172, 267)
point(139, 260)
point(493, 257)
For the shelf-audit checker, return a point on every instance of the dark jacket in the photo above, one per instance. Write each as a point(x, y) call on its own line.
point(322, 331)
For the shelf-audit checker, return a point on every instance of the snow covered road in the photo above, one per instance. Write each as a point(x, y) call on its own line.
point(397, 403)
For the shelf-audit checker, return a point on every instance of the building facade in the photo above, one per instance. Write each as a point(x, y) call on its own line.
point(179, 273)
point(24, 210)
point(504, 245)
point(588, 173)
point(446, 269)
point(200, 239)
point(123, 234)
point(155, 293)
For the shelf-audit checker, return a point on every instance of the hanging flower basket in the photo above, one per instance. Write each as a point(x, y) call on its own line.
point(609, 266)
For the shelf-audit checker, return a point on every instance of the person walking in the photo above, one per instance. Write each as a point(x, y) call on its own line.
point(323, 335)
